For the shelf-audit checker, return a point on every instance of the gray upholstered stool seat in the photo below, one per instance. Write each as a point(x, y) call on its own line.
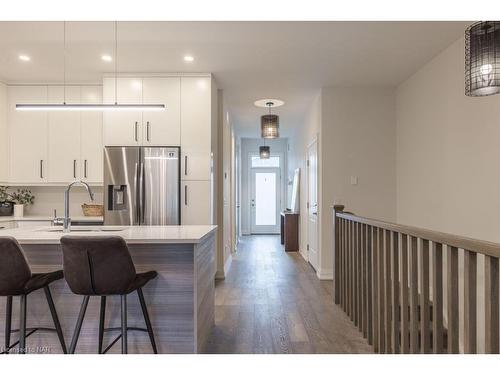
point(16, 279)
point(102, 266)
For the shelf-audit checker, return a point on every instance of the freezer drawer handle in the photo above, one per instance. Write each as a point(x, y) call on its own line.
point(185, 195)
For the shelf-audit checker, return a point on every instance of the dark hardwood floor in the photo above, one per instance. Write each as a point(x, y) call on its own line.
point(272, 302)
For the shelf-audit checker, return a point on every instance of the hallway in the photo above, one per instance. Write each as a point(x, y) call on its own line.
point(272, 302)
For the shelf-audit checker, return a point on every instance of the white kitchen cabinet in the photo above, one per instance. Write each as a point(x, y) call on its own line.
point(196, 203)
point(91, 137)
point(196, 114)
point(162, 128)
point(64, 136)
point(122, 128)
point(195, 165)
point(28, 136)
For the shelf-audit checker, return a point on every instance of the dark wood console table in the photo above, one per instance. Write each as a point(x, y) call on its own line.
point(290, 230)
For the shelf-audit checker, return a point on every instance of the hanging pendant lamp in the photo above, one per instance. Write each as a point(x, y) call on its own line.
point(264, 152)
point(90, 107)
point(269, 124)
point(482, 59)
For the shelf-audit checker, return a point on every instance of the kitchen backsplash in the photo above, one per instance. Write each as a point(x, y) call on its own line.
point(48, 198)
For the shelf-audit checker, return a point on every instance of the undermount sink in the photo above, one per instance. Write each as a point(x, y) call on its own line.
point(84, 229)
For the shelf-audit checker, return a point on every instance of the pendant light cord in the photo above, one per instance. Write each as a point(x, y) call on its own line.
point(116, 62)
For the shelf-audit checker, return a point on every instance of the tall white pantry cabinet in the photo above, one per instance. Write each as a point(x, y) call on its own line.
point(187, 122)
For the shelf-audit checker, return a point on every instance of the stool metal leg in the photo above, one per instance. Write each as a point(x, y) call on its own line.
point(8, 323)
point(102, 315)
point(55, 318)
point(146, 319)
point(124, 323)
point(78, 326)
point(22, 324)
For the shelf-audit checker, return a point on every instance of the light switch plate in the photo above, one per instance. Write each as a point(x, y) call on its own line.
point(354, 180)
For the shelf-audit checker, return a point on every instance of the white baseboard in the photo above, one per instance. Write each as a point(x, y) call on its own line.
point(304, 255)
point(221, 274)
point(325, 274)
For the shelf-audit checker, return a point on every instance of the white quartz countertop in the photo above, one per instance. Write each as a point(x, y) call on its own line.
point(131, 234)
point(3, 219)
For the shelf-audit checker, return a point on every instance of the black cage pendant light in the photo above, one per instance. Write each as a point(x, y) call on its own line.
point(264, 152)
point(482, 59)
point(269, 124)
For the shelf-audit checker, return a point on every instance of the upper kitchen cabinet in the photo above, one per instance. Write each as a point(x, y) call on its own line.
point(122, 128)
point(196, 114)
point(162, 128)
point(28, 139)
point(64, 136)
point(91, 137)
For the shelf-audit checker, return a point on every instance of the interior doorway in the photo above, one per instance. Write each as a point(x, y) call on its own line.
point(312, 204)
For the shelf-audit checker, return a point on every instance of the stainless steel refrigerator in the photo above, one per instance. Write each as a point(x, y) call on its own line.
point(141, 186)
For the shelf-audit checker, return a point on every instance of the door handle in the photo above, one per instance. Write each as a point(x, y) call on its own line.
point(74, 168)
point(147, 131)
point(141, 193)
point(185, 195)
point(85, 168)
point(185, 165)
point(41, 168)
point(136, 131)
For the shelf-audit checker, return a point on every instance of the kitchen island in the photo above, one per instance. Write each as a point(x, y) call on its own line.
point(180, 300)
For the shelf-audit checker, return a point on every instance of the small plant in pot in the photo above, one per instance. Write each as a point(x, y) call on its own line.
point(6, 204)
point(21, 198)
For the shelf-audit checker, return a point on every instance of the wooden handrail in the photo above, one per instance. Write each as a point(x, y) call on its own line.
point(478, 246)
point(389, 279)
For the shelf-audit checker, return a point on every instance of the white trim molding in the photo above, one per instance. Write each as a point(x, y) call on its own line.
point(221, 275)
point(325, 274)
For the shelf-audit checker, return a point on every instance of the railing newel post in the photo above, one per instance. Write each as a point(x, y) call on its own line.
point(336, 249)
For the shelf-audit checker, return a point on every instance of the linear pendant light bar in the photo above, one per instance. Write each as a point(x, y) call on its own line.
point(90, 107)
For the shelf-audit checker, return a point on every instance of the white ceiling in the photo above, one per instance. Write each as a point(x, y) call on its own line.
point(250, 60)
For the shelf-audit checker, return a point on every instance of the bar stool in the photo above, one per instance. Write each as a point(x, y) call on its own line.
point(16, 279)
point(102, 266)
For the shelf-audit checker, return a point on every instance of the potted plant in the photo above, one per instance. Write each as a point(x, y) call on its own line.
point(6, 205)
point(21, 198)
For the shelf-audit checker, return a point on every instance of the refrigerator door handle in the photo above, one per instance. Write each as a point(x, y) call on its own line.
point(142, 201)
point(137, 198)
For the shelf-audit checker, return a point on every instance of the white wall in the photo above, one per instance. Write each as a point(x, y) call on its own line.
point(251, 146)
point(4, 139)
point(358, 138)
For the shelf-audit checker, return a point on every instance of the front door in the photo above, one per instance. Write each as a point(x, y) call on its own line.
point(312, 204)
point(265, 200)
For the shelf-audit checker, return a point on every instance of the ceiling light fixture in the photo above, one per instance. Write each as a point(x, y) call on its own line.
point(482, 59)
point(90, 107)
point(264, 152)
point(188, 58)
point(106, 58)
point(269, 124)
point(24, 58)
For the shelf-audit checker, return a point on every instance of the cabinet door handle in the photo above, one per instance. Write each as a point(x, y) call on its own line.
point(74, 168)
point(147, 131)
point(136, 132)
point(185, 165)
point(185, 195)
point(85, 168)
point(41, 168)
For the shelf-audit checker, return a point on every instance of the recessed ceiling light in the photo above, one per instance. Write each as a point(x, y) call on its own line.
point(188, 58)
point(106, 58)
point(24, 58)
